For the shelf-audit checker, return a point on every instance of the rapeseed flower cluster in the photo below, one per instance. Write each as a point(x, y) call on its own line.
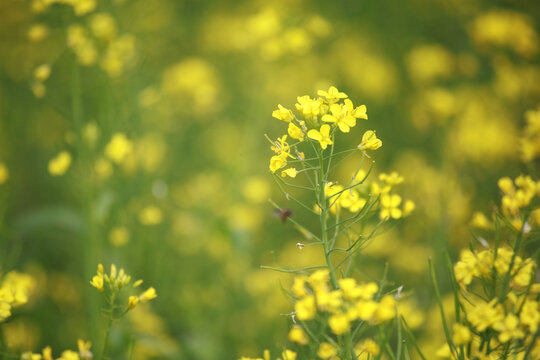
point(83, 353)
point(342, 308)
point(530, 139)
point(112, 284)
point(15, 290)
point(320, 118)
point(333, 313)
point(497, 301)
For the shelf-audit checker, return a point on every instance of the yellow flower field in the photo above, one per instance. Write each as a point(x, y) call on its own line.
point(287, 180)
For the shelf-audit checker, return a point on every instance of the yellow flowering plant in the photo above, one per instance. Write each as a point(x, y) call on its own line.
point(496, 293)
point(336, 316)
point(112, 287)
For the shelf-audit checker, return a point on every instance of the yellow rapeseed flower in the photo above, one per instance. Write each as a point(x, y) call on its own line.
point(339, 324)
point(118, 148)
point(298, 335)
point(295, 132)
point(4, 173)
point(37, 32)
point(322, 136)
point(60, 164)
point(282, 113)
point(278, 161)
point(326, 350)
point(289, 172)
point(390, 206)
point(332, 95)
point(305, 308)
point(370, 141)
point(462, 334)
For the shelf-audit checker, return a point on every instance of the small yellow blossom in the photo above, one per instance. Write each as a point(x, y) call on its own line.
point(309, 107)
point(339, 324)
point(341, 117)
point(283, 114)
point(60, 164)
point(289, 172)
point(480, 221)
point(150, 215)
point(288, 355)
point(332, 95)
point(148, 295)
point(278, 161)
point(298, 335)
point(530, 315)
point(322, 136)
point(103, 26)
point(386, 309)
point(462, 334)
point(119, 236)
point(4, 173)
point(42, 72)
point(390, 206)
point(84, 349)
point(30, 356)
point(370, 141)
point(97, 282)
point(37, 32)
point(69, 355)
point(295, 132)
point(326, 350)
point(118, 148)
point(444, 352)
point(508, 328)
point(305, 308)
point(485, 315)
point(47, 353)
point(367, 346)
point(299, 286)
point(408, 207)
point(132, 302)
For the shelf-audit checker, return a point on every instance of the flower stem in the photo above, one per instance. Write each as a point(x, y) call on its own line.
point(323, 203)
point(109, 326)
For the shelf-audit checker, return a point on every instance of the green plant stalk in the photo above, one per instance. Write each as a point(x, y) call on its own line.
point(508, 275)
point(441, 308)
point(323, 203)
point(109, 326)
point(3, 344)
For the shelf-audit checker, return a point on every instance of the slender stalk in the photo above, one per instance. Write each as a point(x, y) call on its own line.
point(441, 308)
point(324, 218)
point(109, 326)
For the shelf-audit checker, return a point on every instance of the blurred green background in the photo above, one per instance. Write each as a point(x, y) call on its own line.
point(162, 106)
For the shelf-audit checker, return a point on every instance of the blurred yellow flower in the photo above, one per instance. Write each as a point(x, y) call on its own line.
point(389, 206)
point(339, 324)
point(42, 72)
point(4, 173)
point(118, 148)
point(60, 164)
point(103, 26)
point(298, 335)
point(119, 236)
point(37, 32)
point(462, 334)
point(150, 215)
point(326, 350)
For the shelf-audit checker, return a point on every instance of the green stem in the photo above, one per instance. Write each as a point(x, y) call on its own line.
point(324, 218)
point(109, 326)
